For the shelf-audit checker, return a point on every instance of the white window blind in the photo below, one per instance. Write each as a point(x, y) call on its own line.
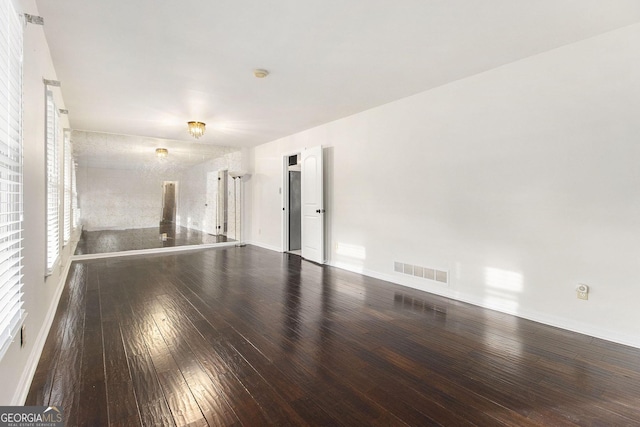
point(53, 183)
point(67, 187)
point(11, 312)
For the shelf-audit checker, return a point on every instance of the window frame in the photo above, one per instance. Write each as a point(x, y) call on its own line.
point(52, 178)
point(67, 191)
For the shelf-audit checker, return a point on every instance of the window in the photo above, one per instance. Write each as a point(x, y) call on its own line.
point(11, 312)
point(53, 182)
point(74, 197)
point(67, 187)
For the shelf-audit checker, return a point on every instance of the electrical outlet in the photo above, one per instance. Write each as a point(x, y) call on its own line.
point(583, 291)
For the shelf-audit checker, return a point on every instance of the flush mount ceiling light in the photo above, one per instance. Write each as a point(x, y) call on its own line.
point(260, 73)
point(162, 152)
point(196, 129)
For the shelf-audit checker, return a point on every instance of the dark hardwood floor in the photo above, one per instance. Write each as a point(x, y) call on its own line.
point(103, 241)
point(250, 337)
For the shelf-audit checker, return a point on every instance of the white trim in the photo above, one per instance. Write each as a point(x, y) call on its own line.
point(152, 251)
point(265, 246)
point(53, 242)
point(67, 160)
point(284, 213)
point(535, 316)
point(566, 324)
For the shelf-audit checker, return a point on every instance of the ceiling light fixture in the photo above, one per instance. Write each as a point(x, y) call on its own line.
point(196, 129)
point(260, 73)
point(162, 152)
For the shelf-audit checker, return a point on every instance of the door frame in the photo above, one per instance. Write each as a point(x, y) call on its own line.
point(285, 199)
point(284, 213)
point(220, 207)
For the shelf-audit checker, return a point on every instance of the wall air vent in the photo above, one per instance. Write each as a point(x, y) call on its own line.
point(428, 273)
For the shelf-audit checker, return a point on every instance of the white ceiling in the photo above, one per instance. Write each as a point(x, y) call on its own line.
point(147, 67)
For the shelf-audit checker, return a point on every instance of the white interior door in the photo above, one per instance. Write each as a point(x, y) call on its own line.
point(312, 205)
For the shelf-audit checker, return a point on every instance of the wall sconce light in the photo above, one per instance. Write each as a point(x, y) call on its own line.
point(162, 152)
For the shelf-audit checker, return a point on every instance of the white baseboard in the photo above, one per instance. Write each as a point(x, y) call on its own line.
point(20, 395)
point(265, 246)
point(544, 318)
point(562, 323)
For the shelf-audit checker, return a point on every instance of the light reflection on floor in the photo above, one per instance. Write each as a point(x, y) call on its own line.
point(105, 241)
point(418, 305)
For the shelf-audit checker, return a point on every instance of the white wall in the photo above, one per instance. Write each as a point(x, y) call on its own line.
point(40, 295)
point(199, 187)
point(521, 182)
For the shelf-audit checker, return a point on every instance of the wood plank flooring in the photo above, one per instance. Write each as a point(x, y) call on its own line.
point(103, 241)
point(250, 337)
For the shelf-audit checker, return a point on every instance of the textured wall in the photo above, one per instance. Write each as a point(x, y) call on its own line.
point(199, 187)
point(120, 198)
point(131, 198)
point(120, 180)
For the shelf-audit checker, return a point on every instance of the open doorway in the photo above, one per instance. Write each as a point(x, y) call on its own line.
point(302, 204)
point(168, 221)
point(294, 204)
point(222, 217)
point(168, 202)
